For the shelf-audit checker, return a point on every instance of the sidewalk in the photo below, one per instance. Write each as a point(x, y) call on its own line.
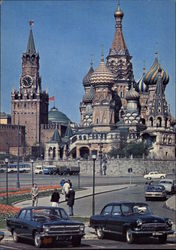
point(86, 192)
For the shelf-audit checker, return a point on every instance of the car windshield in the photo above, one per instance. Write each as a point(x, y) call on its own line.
point(158, 188)
point(166, 182)
point(48, 214)
point(141, 209)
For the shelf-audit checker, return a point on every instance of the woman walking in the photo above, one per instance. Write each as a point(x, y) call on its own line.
point(55, 198)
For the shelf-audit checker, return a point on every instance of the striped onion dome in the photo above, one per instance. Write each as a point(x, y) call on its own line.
point(152, 75)
point(86, 79)
point(88, 97)
point(141, 87)
point(102, 75)
point(132, 94)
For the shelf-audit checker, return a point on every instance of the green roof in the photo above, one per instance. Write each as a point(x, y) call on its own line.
point(57, 116)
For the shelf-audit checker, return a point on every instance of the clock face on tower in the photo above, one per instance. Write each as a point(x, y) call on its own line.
point(27, 81)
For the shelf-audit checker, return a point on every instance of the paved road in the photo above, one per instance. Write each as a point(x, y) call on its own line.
point(85, 181)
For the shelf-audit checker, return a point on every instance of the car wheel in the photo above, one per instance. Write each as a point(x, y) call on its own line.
point(76, 241)
point(100, 233)
point(162, 177)
point(37, 240)
point(15, 236)
point(163, 239)
point(129, 236)
point(149, 178)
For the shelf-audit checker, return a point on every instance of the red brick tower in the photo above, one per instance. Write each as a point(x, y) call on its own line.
point(29, 104)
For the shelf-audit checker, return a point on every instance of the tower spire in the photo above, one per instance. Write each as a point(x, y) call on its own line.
point(31, 46)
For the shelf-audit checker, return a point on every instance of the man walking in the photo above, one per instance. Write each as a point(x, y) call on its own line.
point(35, 194)
point(71, 200)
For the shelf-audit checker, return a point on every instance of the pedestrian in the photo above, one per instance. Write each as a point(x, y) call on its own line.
point(35, 194)
point(104, 168)
point(71, 200)
point(55, 198)
point(62, 182)
point(69, 181)
point(66, 188)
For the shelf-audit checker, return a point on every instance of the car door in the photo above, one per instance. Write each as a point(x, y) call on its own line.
point(19, 223)
point(27, 224)
point(105, 216)
point(115, 220)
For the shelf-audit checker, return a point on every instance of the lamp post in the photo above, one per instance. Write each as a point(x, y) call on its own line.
point(6, 162)
point(94, 157)
point(78, 174)
point(18, 158)
point(101, 159)
point(32, 162)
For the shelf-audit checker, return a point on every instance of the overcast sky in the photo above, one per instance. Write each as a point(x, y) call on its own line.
point(67, 33)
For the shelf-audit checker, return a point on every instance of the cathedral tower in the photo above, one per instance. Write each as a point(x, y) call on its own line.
point(102, 104)
point(29, 105)
point(118, 61)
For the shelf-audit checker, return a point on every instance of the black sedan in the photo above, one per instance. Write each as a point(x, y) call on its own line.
point(131, 220)
point(45, 225)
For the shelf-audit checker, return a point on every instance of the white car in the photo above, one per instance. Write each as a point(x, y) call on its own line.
point(38, 169)
point(154, 175)
point(168, 184)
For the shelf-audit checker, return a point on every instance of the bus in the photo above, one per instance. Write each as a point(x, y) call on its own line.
point(13, 167)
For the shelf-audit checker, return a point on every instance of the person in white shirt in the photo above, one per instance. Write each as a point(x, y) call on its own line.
point(66, 188)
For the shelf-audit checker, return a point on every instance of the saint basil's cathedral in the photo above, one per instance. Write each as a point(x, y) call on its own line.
point(113, 105)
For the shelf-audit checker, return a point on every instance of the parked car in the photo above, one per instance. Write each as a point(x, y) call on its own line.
point(169, 185)
point(154, 191)
point(1, 235)
point(131, 220)
point(38, 169)
point(50, 169)
point(45, 225)
point(154, 175)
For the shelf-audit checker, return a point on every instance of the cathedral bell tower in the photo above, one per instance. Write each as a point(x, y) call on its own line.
point(29, 105)
point(119, 62)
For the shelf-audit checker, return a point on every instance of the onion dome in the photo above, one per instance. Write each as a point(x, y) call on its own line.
point(152, 75)
point(88, 97)
point(118, 12)
point(102, 75)
point(141, 87)
point(132, 94)
point(56, 116)
point(86, 79)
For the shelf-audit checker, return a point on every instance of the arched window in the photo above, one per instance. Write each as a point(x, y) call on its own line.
point(151, 121)
point(80, 137)
point(159, 121)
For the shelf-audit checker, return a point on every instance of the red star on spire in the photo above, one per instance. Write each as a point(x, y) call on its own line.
point(31, 22)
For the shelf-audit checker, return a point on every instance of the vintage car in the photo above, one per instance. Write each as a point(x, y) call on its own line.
point(155, 191)
point(45, 225)
point(131, 220)
point(169, 185)
point(154, 175)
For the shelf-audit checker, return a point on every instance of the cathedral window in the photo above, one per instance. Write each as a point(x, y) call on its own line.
point(97, 120)
point(84, 137)
point(80, 137)
point(151, 121)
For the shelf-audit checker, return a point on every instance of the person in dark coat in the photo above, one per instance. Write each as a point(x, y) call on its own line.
point(71, 200)
point(55, 198)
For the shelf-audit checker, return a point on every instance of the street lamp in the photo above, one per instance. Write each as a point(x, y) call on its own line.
point(32, 162)
point(94, 157)
point(18, 157)
point(6, 162)
point(101, 159)
point(78, 174)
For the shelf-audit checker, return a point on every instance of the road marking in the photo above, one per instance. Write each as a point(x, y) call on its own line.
point(8, 247)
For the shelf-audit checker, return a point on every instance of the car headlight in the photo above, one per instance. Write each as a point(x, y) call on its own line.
point(46, 228)
point(81, 228)
point(139, 222)
point(169, 222)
